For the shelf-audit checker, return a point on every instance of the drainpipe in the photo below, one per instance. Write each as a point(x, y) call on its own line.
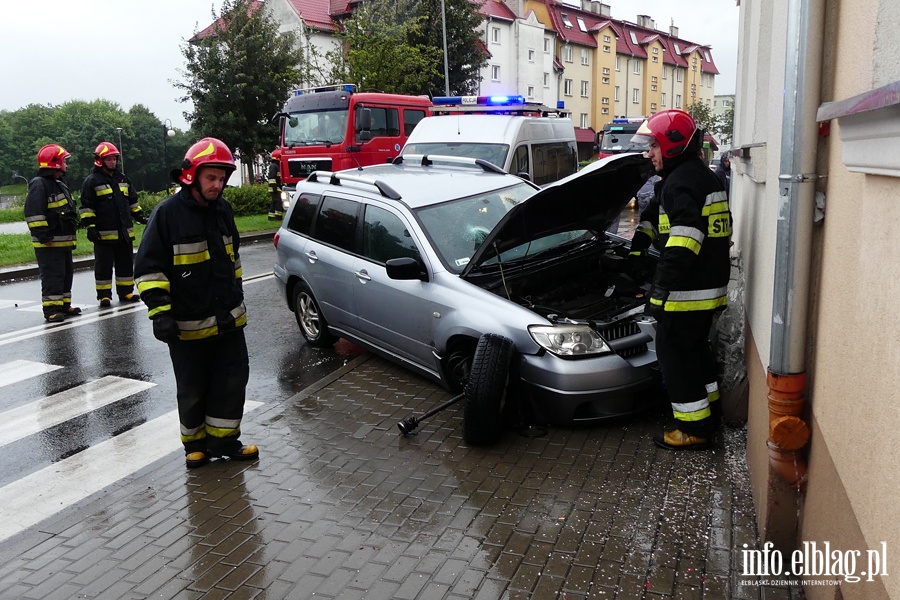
point(788, 432)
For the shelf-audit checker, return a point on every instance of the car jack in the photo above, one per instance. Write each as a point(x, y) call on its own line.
point(408, 426)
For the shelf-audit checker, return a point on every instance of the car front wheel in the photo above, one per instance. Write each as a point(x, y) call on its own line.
point(312, 323)
point(486, 389)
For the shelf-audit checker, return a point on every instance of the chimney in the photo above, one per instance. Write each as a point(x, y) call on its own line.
point(673, 31)
point(646, 21)
point(604, 10)
point(589, 6)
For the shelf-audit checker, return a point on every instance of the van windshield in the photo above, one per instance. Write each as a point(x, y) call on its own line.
point(309, 128)
point(493, 153)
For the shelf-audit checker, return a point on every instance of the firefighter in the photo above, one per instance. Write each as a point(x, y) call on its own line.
point(52, 218)
point(188, 272)
point(690, 221)
point(108, 205)
point(276, 209)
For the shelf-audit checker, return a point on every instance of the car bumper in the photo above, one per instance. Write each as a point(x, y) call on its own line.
point(565, 392)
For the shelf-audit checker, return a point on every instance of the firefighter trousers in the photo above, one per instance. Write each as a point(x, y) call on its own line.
point(211, 379)
point(118, 255)
point(689, 369)
point(57, 271)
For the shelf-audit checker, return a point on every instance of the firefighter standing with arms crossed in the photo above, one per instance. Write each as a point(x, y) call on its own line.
point(276, 209)
point(188, 271)
point(52, 218)
point(691, 221)
point(108, 205)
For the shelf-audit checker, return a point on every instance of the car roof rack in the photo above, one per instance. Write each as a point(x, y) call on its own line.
point(426, 160)
point(338, 179)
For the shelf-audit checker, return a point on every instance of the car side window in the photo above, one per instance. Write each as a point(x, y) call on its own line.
point(411, 118)
point(336, 223)
point(553, 161)
point(304, 210)
point(520, 161)
point(386, 236)
point(385, 121)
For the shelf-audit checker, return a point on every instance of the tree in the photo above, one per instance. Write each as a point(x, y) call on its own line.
point(465, 57)
point(238, 77)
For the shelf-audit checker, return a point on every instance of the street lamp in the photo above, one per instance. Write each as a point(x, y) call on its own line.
point(168, 132)
point(20, 177)
point(121, 150)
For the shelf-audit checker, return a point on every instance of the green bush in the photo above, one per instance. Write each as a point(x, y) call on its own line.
point(249, 199)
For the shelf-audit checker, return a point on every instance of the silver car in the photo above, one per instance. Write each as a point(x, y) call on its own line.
point(511, 294)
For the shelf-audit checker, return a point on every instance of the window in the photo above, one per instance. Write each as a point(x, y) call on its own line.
point(677, 100)
point(304, 211)
point(665, 73)
point(617, 64)
point(336, 223)
point(568, 54)
point(553, 160)
point(634, 39)
point(617, 93)
point(604, 111)
point(584, 56)
point(385, 236)
point(605, 80)
point(605, 100)
point(606, 49)
point(584, 121)
point(653, 106)
point(546, 80)
point(652, 88)
point(546, 45)
point(655, 50)
point(679, 75)
point(637, 67)
point(677, 49)
point(606, 70)
point(584, 89)
point(530, 92)
point(385, 121)
point(656, 59)
point(495, 35)
point(567, 87)
point(662, 99)
point(495, 72)
point(530, 55)
point(565, 20)
point(411, 118)
point(607, 39)
point(635, 96)
point(581, 24)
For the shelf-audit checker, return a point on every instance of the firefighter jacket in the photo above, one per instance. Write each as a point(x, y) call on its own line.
point(188, 266)
point(274, 178)
point(690, 221)
point(109, 203)
point(50, 212)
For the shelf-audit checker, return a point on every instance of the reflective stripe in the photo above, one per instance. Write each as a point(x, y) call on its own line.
point(684, 301)
point(36, 220)
point(689, 295)
point(190, 254)
point(664, 225)
point(222, 432)
point(57, 203)
point(691, 411)
point(713, 199)
point(123, 187)
point(124, 281)
point(108, 234)
point(103, 285)
point(103, 190)
point(648, 228)
point(153, 281)
point(159, 309)
point(87, 213)
point(686, 237)
point(222, 423)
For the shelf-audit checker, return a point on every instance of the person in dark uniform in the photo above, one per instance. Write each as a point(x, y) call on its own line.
point(188, 273)
point(52, 218)
point(276, 208)
point(690, 220)
point(108, 205)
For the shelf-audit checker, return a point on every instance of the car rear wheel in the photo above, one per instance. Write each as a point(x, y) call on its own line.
point(312, 323)
point(486, 389)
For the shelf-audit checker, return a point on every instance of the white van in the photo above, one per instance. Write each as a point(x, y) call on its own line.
point(527, 140)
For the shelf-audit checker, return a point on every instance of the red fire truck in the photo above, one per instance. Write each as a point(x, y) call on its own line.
point(336, 127)
point(616, 137)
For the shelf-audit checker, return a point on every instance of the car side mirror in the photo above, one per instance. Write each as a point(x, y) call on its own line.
point(405, 269)
point(523, 175)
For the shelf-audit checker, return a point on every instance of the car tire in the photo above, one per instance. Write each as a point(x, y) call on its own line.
point(309, 316)
point(486, 389)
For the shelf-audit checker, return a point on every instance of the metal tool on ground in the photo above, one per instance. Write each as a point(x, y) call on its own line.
point(408, 426)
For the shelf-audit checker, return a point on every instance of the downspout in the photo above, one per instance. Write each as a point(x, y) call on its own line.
point(786, 379)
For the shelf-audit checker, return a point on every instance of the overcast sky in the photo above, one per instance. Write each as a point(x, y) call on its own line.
point(129, 51)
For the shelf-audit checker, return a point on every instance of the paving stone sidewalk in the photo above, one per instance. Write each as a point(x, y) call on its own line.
point(341, 506)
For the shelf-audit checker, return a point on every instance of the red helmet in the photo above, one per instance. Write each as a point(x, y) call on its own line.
point(276, 153)
point(103, 150)
point(672, 130)
point(208, 152)
point(51, 156)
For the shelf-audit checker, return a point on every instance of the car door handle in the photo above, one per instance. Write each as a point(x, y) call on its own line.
point(311, 255)
point(363, 276)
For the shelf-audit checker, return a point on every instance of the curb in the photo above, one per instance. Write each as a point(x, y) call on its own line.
point(29, 270)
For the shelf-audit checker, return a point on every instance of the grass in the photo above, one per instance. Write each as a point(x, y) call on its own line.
point(16, 248)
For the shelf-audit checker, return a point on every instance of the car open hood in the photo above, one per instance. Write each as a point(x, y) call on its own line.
point(589, 199)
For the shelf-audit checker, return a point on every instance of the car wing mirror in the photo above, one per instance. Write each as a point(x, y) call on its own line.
point(404, 269)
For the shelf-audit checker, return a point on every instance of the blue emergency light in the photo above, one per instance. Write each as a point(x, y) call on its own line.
point(478, 100)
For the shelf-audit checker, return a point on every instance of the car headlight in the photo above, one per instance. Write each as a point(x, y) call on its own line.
point(569, 340)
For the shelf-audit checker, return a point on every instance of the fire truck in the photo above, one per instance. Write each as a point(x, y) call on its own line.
point(337, 127)
point(616, 137)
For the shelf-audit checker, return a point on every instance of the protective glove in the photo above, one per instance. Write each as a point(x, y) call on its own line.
point(165, 329)
point(93, 235)
point(140, 218)
point(655, 306)
point(635, 265)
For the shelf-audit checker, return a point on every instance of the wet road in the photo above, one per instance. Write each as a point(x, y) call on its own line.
point(70, 387)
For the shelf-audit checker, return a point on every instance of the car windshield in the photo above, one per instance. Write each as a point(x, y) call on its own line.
point(458, 228)
point(304, 129)
point(619, 141)
point(493, 153)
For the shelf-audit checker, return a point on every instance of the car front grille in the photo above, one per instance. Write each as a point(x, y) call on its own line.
point(620, 330)
point(302, 168)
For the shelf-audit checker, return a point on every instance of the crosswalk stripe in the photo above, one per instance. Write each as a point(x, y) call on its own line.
point(30, 418)
point(42, 494)
point(20, 370)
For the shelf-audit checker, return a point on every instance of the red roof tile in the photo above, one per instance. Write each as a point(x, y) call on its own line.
point(495, 9)
point(220, 24)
